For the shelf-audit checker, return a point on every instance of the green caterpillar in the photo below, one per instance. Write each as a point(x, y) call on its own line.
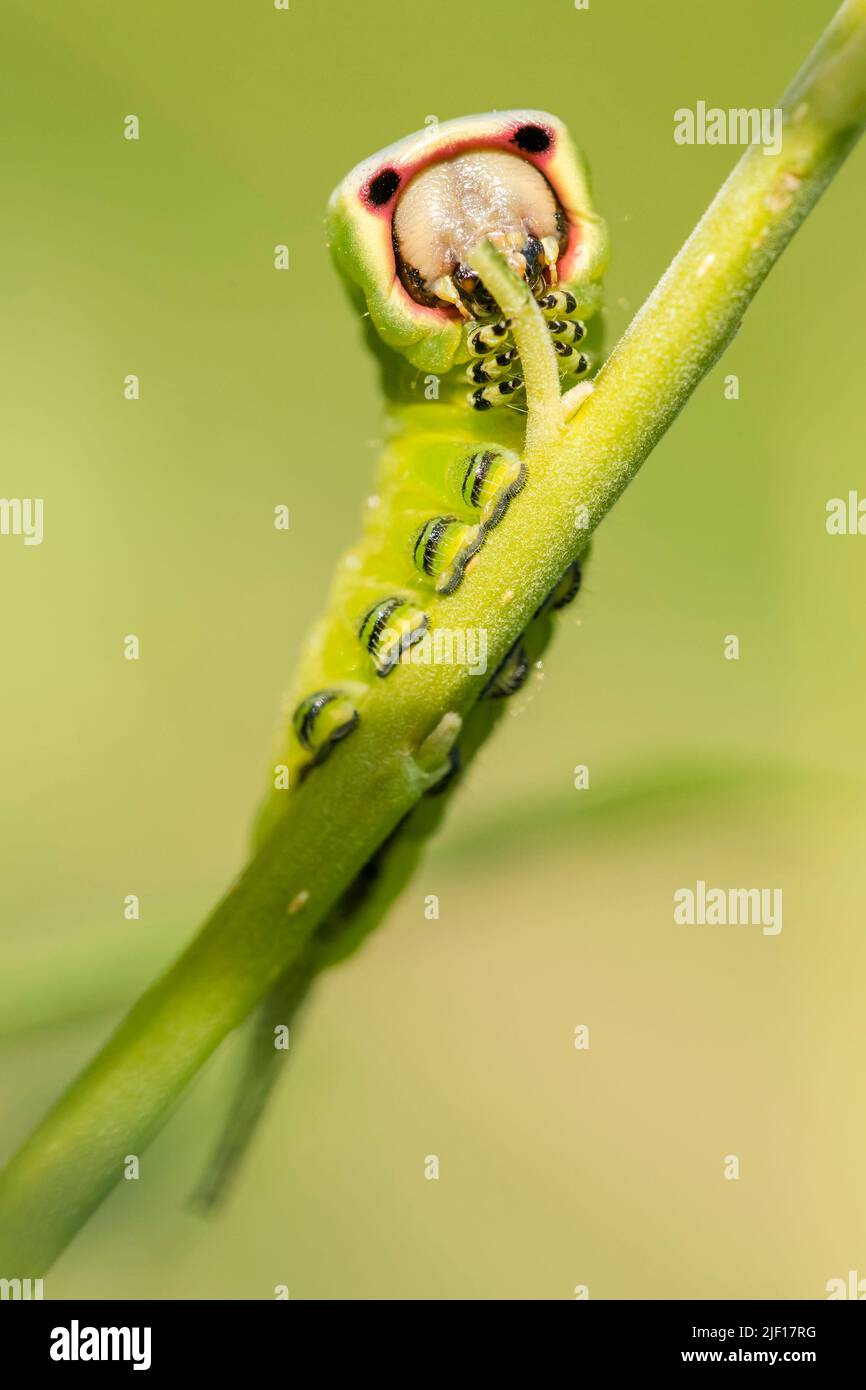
point(401, 228)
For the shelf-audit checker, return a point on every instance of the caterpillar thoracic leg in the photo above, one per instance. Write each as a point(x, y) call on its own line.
point(489, 338)
point(558, 302)
point(569, 330)
point(486, 397)
point(570, 360)
point(492, 367)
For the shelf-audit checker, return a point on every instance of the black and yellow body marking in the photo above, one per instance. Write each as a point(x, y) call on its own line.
point(442, 549)
point(491, 478)
point(389, 629)
point(322, 720)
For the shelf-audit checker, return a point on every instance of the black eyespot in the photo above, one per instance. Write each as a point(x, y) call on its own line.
point(532, 138)
point(383, 187)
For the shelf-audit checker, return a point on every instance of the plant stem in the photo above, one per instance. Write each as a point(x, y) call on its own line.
point(335, 821)
point(534, 346)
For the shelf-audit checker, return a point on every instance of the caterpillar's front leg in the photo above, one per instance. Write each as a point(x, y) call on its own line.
point(495, 370)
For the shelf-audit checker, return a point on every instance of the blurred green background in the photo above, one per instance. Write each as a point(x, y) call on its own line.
point(454, 1037)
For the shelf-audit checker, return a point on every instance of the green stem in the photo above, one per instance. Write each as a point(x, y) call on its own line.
point(534, 346)
point(335, 821)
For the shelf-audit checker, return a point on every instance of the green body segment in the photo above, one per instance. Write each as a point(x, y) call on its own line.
point(490, 478)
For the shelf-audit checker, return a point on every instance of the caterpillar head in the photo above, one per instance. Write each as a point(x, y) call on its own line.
point(402, 224)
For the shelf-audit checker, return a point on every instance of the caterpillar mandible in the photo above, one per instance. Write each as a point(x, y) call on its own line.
point(400, 228)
